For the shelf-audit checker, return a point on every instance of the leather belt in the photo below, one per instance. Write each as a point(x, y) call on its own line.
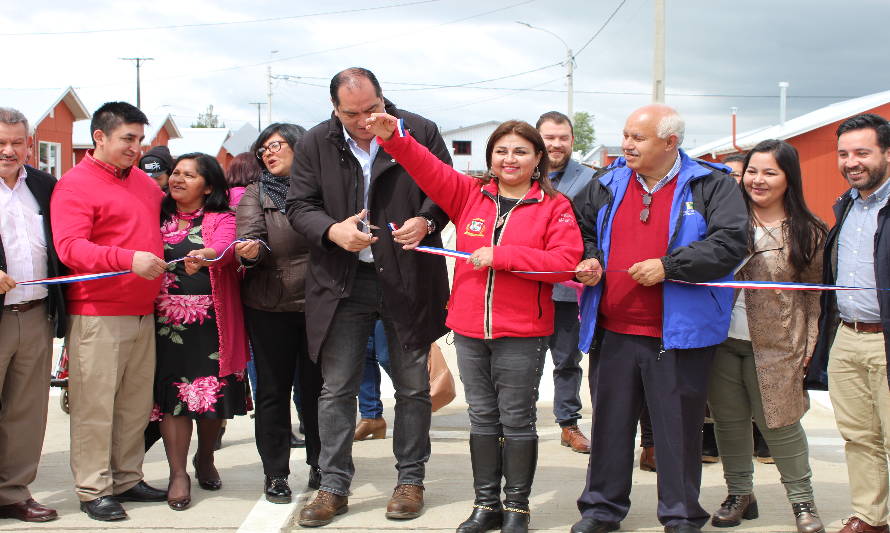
point(23, 306)
point(864, 327)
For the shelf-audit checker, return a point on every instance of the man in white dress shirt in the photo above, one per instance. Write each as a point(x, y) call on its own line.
point(31, 316)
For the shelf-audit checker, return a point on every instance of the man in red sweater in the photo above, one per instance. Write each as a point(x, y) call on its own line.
point(106, 217)
point(655, 216)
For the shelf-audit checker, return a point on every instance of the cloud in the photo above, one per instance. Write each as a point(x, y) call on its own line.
point(739, 50)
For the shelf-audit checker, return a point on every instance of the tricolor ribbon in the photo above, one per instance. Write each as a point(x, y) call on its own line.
point(90, 277)
point(775, 285)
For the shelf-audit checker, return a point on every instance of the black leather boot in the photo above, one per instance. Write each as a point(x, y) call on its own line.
point(520, 461)
point(485, 456)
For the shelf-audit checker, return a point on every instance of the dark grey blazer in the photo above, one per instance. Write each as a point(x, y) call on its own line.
point(575, 177)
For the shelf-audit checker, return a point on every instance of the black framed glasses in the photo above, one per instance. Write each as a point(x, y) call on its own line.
point(273, 148)
point(647, 201)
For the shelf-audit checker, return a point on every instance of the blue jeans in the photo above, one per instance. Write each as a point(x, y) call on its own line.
point(369, 404)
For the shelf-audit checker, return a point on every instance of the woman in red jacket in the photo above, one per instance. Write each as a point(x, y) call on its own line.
point(523, 237)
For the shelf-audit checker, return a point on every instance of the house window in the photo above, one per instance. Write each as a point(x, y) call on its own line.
point(50, 158)
point(462, 147)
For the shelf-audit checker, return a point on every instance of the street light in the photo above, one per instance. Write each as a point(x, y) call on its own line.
point(570, 65)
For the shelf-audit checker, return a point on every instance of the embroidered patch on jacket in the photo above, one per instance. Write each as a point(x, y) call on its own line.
point(566, 217)
point(689, 209)
point(476, 228)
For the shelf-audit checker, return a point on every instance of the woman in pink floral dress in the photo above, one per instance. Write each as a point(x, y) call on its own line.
point(201, 344)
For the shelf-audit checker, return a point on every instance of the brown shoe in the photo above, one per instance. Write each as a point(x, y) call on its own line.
point(807, 518)
point(28, 511)
point(370, 428)
point(322, 510)
point(856, 525)
point(733, 509)
point(406, 502)
point(573, 438)
point(647, 459)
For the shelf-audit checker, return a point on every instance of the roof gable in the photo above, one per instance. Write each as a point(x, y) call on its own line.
point(37, 104)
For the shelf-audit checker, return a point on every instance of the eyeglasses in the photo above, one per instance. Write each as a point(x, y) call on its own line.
point(644, 214)
point(273, 148)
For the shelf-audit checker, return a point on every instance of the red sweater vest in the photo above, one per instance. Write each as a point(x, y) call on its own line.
point(628, 307)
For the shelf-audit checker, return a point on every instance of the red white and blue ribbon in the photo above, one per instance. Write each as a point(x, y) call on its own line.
point(91, 277)
point(774, 285)
point(71, 279)
point(400, 128)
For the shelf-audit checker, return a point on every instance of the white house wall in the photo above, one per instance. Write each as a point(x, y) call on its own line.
point(478, 137)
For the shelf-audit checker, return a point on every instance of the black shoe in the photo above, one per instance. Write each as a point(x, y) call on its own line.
point(104, 508)
point(482, 519)
point(314, 477)
point(682, 528)
point(277, 490)
point(206, 484)
point(142, 492)
point(592, 525)
point(486, 457)
point(296, 442)
point(519, 462)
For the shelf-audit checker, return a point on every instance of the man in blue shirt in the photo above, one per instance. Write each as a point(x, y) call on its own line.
point(854, 324)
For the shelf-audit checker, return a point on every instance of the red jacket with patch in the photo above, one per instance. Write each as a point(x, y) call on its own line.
point(540, 234)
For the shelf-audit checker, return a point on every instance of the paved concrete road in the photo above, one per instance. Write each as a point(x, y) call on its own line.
point(560, 478)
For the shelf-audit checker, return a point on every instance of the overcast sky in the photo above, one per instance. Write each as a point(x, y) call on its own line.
point(720, 54)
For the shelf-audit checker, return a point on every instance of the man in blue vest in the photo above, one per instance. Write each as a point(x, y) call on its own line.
point(569, 177)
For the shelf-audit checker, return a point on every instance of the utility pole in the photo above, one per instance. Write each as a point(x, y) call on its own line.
point(138, 61)
point(570, 62)
point(269, 81)
point(259, 127)
point(658, 66)
point(570, 68)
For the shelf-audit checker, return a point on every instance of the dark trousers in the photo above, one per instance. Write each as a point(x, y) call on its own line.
point(279, 349)
point(566, 363)
point(676, 385)
point(501, 379)
point(342, 361)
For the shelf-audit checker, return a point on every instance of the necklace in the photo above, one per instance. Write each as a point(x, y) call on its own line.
point(502, 219)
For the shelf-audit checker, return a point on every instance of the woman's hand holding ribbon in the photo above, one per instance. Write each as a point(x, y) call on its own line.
point(481, 258)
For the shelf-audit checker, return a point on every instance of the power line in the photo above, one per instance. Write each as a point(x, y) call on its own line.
point(335, 49)
point(468, 85)
point(606, 23)
point(230, 23)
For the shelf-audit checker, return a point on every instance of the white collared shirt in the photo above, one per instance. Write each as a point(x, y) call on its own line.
point(366, 160)
point(24, 241)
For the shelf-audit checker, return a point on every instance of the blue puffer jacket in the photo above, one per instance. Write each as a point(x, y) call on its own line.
point(707, 241)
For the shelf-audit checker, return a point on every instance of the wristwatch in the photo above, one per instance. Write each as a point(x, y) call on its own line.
point(430, 224)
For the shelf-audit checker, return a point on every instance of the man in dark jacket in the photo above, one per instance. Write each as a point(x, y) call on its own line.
point(344, 192)
point(26, 253)
point(656, 216)
point(854, 325)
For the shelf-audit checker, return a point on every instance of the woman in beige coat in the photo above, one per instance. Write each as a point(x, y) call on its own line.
point(758, 371)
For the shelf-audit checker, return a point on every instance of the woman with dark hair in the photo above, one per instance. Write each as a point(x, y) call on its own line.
point(201, 343)
point(524, 238)
point(758, 371)
point(274, 296)
point(243, 170)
